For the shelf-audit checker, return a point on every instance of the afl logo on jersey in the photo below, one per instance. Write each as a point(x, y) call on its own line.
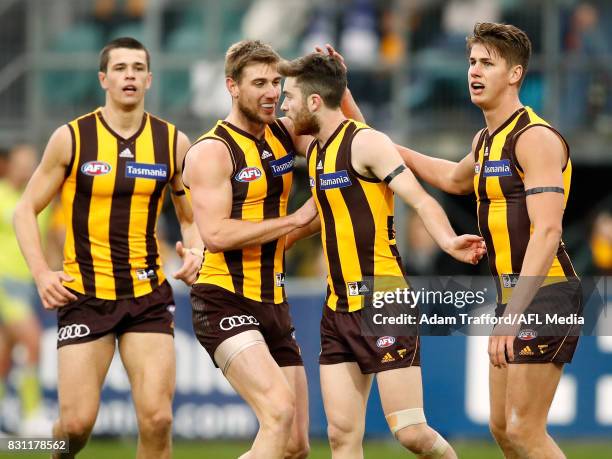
point(248, 174)
point(94, 168)
point(476, 168)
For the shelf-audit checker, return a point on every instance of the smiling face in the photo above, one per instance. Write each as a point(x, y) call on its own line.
point(257, 92)
point(490, 76)
point(127, 77)
point(295, 107)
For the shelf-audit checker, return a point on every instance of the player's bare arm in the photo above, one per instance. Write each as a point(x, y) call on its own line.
point(375, 155)
point(542, 156)
point(314, 227)
point(449, 176)
point(42, 187)
point(190, 249)
point(208, 172)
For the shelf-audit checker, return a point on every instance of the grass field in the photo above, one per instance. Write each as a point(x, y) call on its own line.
point(120, 449)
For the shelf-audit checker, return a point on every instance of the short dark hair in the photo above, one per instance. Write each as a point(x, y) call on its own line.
point(122, 42)
point(246, 52)
point(317, 73)
point(510, 42)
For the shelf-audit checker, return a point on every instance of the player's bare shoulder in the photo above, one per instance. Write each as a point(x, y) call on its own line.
point(210, 156)
point(60, 147)
point(541, 144)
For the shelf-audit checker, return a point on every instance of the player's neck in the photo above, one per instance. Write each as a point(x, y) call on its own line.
point(497, 115)
point(329, 122)
point(124, 122)
point(237, 118)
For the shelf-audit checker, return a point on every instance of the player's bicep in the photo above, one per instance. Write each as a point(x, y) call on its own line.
point(541, 155)
point(50, 173)
point(375, 152)
point(463, 173)
point(208, 169)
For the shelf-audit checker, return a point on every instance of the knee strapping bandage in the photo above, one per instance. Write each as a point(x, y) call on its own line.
point(438, 449)
point(231, 347)
point(404, 418)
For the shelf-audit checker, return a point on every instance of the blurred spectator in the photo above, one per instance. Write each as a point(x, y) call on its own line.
point(19, 321)
point(113, 15)
point(601, 243)
point(359, 37)
point(284, 22)
point(589, 80)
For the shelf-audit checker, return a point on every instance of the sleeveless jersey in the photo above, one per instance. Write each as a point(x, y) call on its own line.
point(356, 221)
point(111, 198)
point(261, 181)
point(502, 207)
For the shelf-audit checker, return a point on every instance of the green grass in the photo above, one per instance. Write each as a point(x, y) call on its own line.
point(120, 449)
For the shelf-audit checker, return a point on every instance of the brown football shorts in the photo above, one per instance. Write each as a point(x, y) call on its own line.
point(218, 314)
point(89, 318)
point(547, 340)
point(343, 340)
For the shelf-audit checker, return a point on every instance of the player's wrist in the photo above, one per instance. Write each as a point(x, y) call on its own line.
point(197, 251)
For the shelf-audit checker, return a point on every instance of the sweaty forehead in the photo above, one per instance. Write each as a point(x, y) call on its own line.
point(127, 56)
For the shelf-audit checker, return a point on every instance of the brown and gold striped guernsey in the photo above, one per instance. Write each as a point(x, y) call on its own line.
point(112, 197)
point(261, 181)
point(356, 221)
point(502, 207)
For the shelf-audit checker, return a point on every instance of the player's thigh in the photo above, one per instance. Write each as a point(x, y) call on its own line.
point(150, 363)
point(392, 387)
point(498, 379)
point(296, 377)
point(259, 380)
point(530, 391)
point(345, 393)
point(82, 368)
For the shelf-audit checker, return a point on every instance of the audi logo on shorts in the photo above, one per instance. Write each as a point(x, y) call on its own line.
point(227, 323)
point(72, 331)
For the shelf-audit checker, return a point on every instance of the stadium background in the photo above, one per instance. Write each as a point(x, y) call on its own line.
point(407, 71)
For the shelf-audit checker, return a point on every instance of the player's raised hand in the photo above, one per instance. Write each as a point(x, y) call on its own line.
point(51, 291)
point(192, 261)
point(330, 51)
point(468, 248)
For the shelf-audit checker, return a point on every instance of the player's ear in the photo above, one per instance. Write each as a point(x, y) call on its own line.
point(232, 87)
point(516, 73)
point(149, 80)
point(102, 79)
point(313, 102)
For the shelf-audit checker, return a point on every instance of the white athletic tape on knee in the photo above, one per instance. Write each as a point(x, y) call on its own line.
point(438, 449)
point(231, 347)
point(404, 418)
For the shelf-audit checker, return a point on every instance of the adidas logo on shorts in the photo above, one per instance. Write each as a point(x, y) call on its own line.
point(526, 351)
point(387, 358)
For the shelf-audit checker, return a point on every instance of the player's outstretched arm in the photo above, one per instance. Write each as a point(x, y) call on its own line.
point(42, 187)
point(208, 173)
point(191, 248)
point(374, 154)
point(314, 227)
point(449, 176)
point(542, 156)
